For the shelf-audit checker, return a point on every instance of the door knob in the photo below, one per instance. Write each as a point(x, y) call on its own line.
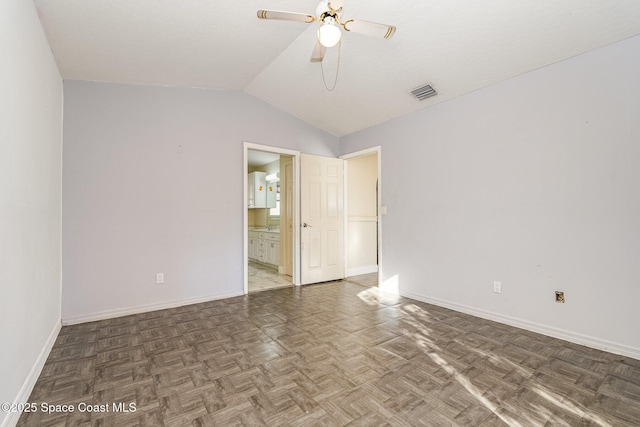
point(305, 225)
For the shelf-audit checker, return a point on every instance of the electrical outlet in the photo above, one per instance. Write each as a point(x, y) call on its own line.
point(497, 287)
point(160, 278)
point(560, 296)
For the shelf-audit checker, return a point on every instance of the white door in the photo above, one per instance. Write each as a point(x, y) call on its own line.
point(321, 219)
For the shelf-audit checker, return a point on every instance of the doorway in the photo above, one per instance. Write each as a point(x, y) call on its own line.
point(270, 217)
point(363, 269)
point(362, 219)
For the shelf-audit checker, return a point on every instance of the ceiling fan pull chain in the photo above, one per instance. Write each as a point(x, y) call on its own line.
point(337, 70)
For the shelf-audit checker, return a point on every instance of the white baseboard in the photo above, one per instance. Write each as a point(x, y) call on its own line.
point(11, 418)
point(562, 334)
point(362, 270)
point(109, 314)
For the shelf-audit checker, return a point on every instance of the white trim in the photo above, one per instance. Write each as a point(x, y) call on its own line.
point(110, 314)
point(297, 245)
point(245, 219)
point(296, 208)
point(588, 341)
point(11, 418)
point(345, 210)
point(362, 270)
point(361, 153)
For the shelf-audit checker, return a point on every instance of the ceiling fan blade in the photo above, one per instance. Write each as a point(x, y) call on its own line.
point(336, 5)
point(369, 28)
point(286, 16)
point(318, 52)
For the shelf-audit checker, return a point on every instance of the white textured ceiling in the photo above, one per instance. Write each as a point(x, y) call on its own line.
point(458, 46)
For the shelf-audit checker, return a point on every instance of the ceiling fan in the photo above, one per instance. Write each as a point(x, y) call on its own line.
point(329, 14)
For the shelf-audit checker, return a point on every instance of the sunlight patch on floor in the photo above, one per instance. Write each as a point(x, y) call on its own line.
point(416, 314)
point(561, 402)
point(391, 285)
point(377, 297)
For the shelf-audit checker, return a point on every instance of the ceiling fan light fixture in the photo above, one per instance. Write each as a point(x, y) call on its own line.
point(329, 34)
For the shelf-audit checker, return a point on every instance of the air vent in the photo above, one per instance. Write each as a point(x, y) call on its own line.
point(424, 92)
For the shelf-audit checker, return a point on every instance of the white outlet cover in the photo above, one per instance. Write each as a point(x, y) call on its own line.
point(497, 287)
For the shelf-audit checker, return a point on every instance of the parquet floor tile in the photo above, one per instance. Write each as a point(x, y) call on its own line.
point(333, 354)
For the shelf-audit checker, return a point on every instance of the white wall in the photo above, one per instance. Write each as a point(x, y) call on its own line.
point(153, 183)
point(535, 182)
point(30, 200)
point(362, 211)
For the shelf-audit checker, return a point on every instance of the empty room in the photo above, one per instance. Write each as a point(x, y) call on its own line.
point(312, 213)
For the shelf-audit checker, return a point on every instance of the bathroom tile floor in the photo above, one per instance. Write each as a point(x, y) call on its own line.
point(262, 277)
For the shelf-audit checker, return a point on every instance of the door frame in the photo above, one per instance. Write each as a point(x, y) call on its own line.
point(378, 150)
point(296, 208)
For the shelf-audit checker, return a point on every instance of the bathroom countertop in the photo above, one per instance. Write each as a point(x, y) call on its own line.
point(264, 229)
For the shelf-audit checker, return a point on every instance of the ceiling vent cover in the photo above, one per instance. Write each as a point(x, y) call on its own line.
point(424, 92)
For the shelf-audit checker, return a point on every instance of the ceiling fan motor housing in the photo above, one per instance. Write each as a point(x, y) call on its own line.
point(329, 14)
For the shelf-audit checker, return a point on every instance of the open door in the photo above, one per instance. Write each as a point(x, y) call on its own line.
point(321, 219)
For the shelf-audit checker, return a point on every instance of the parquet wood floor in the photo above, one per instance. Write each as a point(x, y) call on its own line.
point(333, 354)
point(369, 279)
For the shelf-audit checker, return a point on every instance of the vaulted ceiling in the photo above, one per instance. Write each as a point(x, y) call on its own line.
point(457, 46)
